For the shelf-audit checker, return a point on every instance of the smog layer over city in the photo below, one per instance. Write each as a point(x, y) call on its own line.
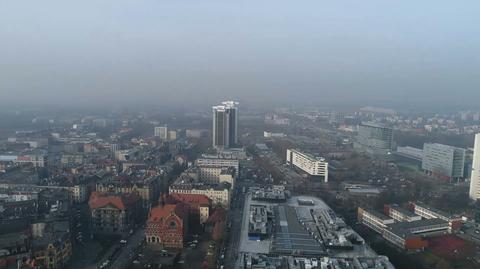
point(239, 134)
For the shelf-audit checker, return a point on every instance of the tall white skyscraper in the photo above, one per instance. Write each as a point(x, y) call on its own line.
point(475, 178)
point(161, 132)
point(225, 124)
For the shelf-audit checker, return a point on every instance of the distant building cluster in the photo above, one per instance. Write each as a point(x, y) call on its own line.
point(35, 227)
point(275, 119)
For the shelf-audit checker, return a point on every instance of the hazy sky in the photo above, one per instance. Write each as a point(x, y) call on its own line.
point(273, 52)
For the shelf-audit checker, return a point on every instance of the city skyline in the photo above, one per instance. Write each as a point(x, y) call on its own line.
point(238, 135)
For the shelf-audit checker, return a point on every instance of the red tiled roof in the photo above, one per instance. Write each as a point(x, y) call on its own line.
point(190, 199)
point(218, 215)
point(98, 200)
point(159, 212)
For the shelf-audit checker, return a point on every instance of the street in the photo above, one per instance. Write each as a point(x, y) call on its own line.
point(126, 252)
point(233, 232)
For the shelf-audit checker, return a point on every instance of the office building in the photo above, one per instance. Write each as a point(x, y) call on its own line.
point(314, 166)
point(443, 161)
point(403, 228)
point(400, 214)
point(161, 132)
point(411, 235)
point(427, 212)
point(374, 219)
point(225, 125)
point(373, 138)
point(474, 192)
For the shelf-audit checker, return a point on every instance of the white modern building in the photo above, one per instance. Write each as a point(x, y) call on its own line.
point(374, 138)
point(314, 166)
point(273, 135)
point(162, 132)
point(219, 162)
point(443, 161)
point(225, 125)
point(474, 192)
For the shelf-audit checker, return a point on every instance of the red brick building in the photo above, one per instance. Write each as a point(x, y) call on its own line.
point(167, 225)
point(198, 205)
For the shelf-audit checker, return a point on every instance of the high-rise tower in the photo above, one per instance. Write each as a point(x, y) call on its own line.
point(225, 124)
point(474, 192)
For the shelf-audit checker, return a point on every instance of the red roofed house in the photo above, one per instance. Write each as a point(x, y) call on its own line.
point(167, 225)
point(114, 213)
point(198, 204)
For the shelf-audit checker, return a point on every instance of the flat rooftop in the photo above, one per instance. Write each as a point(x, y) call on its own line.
point(377, 214)
point(435, 210)
point(291, 237)
point(406, 229)
point(403, 211)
